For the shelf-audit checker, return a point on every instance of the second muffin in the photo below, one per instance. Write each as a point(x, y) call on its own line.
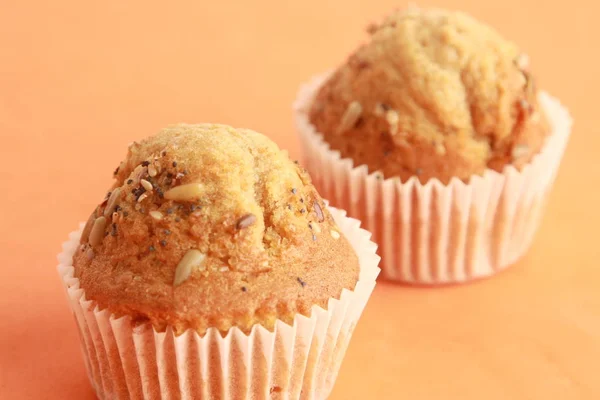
point(435, 135)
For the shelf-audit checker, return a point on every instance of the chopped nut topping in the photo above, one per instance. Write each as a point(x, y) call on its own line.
point(152, 171)
point(335, 234)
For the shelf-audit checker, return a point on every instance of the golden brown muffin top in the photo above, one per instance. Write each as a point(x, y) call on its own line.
point(434, 94)
point(211, 226)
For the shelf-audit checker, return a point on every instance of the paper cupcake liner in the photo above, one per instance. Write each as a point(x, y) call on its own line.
point(434, 233)
point(301, 361)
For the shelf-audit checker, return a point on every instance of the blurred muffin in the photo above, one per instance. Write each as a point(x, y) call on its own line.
point(434, 94)
point(210, 228)
point(429, 133)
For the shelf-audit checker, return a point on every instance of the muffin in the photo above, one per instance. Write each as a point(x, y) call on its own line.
point(213, 269)
point(435, 135)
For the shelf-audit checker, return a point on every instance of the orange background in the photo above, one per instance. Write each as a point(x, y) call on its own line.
point(79, 80)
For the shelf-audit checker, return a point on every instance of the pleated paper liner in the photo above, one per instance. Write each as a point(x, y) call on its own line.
point(302, 361)
point(434, 233)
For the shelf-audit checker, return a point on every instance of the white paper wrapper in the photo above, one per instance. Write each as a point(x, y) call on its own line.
point(292, 362)
point(434, 233)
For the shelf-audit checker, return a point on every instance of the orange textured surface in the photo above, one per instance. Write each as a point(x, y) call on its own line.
point(80, 80)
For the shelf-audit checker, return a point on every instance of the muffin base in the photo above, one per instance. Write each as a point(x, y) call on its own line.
point(432, 233)
point(125, 361)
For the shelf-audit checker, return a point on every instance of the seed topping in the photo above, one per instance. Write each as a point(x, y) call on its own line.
point(246, 221)
point(97, 232)
point(350, 117)
point(188, 192)
point(112, 202)
point(147, 185)
point(157, 215)
point(190, 261)
point(88, 228)
point(142, 197)
point(318, 211)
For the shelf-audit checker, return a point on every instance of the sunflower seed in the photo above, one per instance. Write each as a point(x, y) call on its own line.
point(350, 117)
point(152, 171)
point(189, 192)
point(142, 197)
point(97, 233)
point(335, 234)
point(156, 215)
point(88, 228)
point(190, 261)
point(246, 221)
point(318, 211)
point(113, 201)
point(147, 185)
